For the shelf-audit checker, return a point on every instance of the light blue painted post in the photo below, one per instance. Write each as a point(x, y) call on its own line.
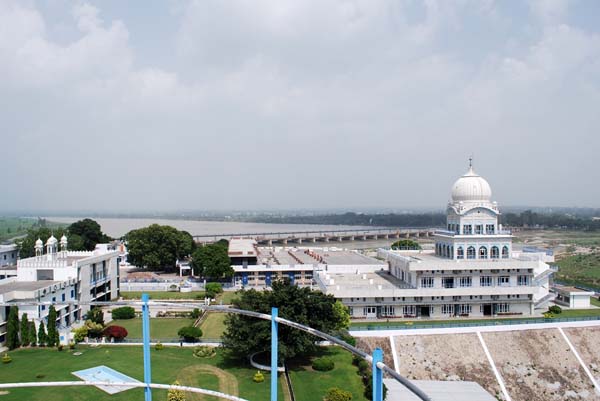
point(146, 336)
point(274, 313)
point(377, 375)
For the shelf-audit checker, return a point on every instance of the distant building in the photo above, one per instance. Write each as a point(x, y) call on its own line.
point(8, 255)
point(61, 276)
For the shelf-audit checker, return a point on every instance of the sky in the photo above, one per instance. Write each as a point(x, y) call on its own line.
point(170, 105)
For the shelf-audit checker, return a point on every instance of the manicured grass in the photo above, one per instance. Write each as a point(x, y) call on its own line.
point(310, 385)
point(580, 270)
point(195, 295)
point(168, 365)
point(595, 301)
point(226, 297)
point(160, 328)
point(213, 325)
point(579, 313)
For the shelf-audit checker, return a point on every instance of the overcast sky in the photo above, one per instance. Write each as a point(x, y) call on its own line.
point(168, 105)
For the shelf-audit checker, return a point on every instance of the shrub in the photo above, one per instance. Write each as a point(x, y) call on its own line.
point(6, 358)
point(204, 352)
point(323, 364)
point(337, 394)
point(195, 313)
point(80, 333)
point(173, 288)
point(175, 395)
point(116, 332)
point(555, 309)
point(125, 312)
point(158, 346)
point(190, 334)
point(258, 377)
point(212, 289)
point(71, 345)
point(60, 347)
point(94, 329)
point(95, 315)
point(364, 368)
point(348, 339)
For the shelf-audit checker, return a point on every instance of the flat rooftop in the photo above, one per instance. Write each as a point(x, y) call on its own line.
point(313, 256)
point(26, 285)
point(239, 247)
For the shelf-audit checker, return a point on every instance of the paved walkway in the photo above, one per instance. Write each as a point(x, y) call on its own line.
point(472, 329)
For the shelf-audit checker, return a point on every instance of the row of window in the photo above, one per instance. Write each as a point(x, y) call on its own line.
point(447, 309)
point(469, 229)
point(441, 298)
point(484, 281)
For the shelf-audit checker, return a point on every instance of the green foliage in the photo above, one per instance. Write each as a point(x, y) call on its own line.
point(323, 364)
point(24, 330)
point(204, 352)
point(80, 334)
point(32, 335)
point(190, 334)
point(6, 358)
point(158, 247)
point(42, 336)
point(94, 330)
point(124, 312)
point(258, 377)
point(12, 328)
point(196, 313)
point(159, 346)
point(212, 289)
point(52, 338)
point(346, 337)
point(406, 244)
point(175, 395)
point(245, 335)
point(337, 394)
point(89, 232)
point(342, 315)
point(580, 269)
point(555, 309)
point(96, 315)
point(212, 261)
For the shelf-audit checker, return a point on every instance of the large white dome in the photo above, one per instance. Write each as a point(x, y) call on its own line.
point(471, 187)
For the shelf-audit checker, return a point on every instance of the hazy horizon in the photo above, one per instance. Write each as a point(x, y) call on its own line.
point(282, 105)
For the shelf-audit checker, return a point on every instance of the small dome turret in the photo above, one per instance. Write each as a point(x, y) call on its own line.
point(51, 241)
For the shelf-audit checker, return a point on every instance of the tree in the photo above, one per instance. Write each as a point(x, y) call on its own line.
point(212, 289)
point(406, 244)
point(245, 335)
point(24, 330)
point(190, 333)
point(124, 312)
point(116, 332)
point(32, 336)
point(158, 247)
point(42, 336)
point(12, 328)
point(90, 233)
point(52, 338)
point(212, 261)
point(337, 394)
point(96, 315)
point(94, 330)
point(342, 314)
point(175, 395)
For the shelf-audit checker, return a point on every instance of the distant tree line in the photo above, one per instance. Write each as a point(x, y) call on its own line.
point(547, 220)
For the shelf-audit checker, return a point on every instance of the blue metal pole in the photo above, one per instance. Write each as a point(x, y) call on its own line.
point(146, 336)
point(377, 375)
point(274, 313)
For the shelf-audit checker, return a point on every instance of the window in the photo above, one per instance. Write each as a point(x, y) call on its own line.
point(522, 280)
point(465, 281)
point(63, 297)
point(483, 252)
point(467, 229)
point(460, 253)
point(504, 281)
point(447, 309)
point(72, 293)
point(464, 309)
point(494, 252)
point(504, 252)
point(503, 308)
point(489, 228)
point(409, 310)
point(427, 282)
point(448, 282)
point(471, 252)
point(479, 229)
point(485, 281)
point(388, 310)
point(369, 310)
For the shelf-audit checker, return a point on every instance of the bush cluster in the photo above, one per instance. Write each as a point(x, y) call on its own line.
point(204, 352)
point(124, 312)
point(190, 333)
point(158, 346)
point(323, 364)
point(6, 358)
point(365, 372)
point(555, 309)
point(337, 394)
point(116, 332)
point(258, 377)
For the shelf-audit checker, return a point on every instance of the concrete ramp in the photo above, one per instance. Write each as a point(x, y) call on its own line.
point(438, 391)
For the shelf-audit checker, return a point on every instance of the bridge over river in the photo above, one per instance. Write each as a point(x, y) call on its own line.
point(299, 237)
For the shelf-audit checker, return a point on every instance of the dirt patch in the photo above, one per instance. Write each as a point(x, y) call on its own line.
point(368, 344)
point(228, 383)
point(446, 357)
point(586, 342)
point(538, 365)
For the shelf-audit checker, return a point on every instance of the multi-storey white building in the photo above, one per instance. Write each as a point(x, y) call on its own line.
point(472, 272)
point(61, 276)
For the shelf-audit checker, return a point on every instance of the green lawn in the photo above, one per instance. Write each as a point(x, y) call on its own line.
point(160, 328)
point(168, 365)
point(580, 270)
point(226, 297)
point(595, 301)
point(579, 313)
point(213, 325)
point(164, 295)
point(310, 385)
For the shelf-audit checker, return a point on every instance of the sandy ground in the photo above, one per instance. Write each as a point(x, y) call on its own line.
point(369, 344)
point(538, 365)
point(587, 343)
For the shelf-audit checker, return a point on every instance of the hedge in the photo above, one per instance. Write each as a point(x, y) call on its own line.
point(124, 312)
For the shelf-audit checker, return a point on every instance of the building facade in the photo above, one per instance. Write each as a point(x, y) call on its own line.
point(8, 255)
point(472, 271)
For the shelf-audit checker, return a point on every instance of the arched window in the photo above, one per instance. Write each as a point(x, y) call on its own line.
point(494, 252)
point(471, 252)
point(482, 252)
point(460, 253)
point(504, 252)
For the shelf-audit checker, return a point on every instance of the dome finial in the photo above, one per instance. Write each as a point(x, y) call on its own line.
point(471, 161)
